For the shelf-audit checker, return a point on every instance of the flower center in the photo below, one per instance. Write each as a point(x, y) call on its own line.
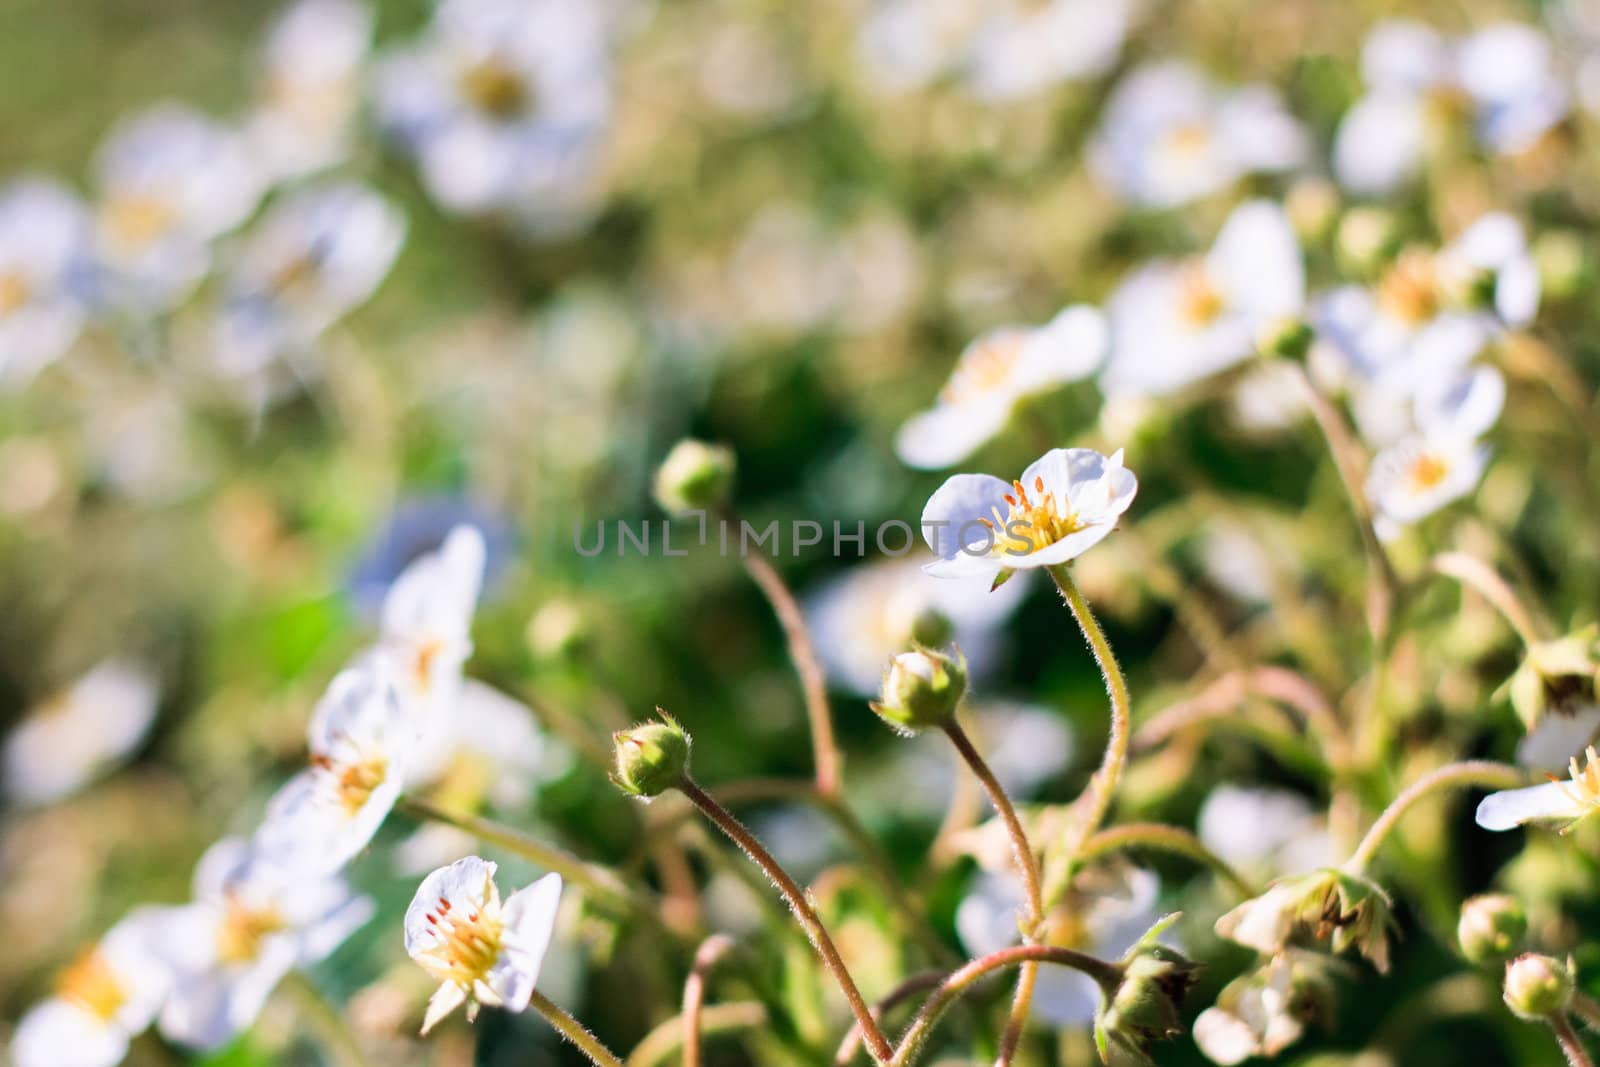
point(422, 664)
point(1200, 303)
point(1409, 289)
point(353, 783)
point(469, 942)
point(1427, 471)
point(1584, 786)
point(92, 985)
point(14, 291)
point(985, 368)
point(1031, 522)
point(496, 88)
point(1189, 140)
point(244, 928)
point(134, 221)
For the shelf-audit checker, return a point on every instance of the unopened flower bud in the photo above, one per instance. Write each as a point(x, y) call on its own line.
point(1288, 337)
point(1538, 987)
point(932, 628)
point(1563, 264)
point(558, 630)
point(1491, 928)
point(1147, 1005)
point(695, 476)
point(1367, 236)
point(922, 689)
point(1312, 205)
point(651, 757)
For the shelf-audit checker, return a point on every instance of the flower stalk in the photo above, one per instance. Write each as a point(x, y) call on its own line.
point(1096, 800)
point(574, 1031)
point(1480, 773)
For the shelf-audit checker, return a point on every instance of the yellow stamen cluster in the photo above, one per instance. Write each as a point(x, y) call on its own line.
point(985, 367)
point(1583, 787)
point(14, 291)
point(1199, 301)
point(469, 941)
point(91, 984)
point(1426, 472)
point(495, 88)
point(1031, 523)
point(243, 928)
point(135, 221)
point(422, 663)
point(352, 783)
point(1409, 289)
point(1190, 139)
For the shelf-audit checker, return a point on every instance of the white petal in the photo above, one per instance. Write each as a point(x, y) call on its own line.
point(951, 519)
point(1256, 262)
point(1225, 1038)
point(467, 885)
point(57, 1033)
point(1380, 142)
point(949, 433)
point(1511, 808)
point(446, 999)
point(1558, 738)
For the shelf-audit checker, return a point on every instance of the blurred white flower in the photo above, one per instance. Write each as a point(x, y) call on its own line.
point(104, 999)
point(488, 748)
point(170, 181)
point(1106, 913)
point(786, 273)
point(1267, 832)
point(1176, 322)
point(1503, 75)
point(310, 86)
point(905, 44)
point(1494, 249)
point(248, 926)
point(427, 625)
point(361, 739)
point(1257, 1016)
point(1065, 503)
point(318, 253)
point(505, 104)
point(1026, 745)
point(1443, 459)
point(1564, 800)
point(1169, 136)
point(80, 733)
point(994, 373)
point(479, 949)
point(44, 243)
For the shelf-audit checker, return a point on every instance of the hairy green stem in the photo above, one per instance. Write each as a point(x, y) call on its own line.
point(898, 995)
point(1571, 1045)
point(1481, 773)
point(1103, 786)
point(573, 1031)
point(795, 897)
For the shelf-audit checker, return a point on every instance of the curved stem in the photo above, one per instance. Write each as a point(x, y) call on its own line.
point(1571, 1046)
point(1027, 870)
point(795, 897)
point(1104, 783)
point(573, 1031)
point(962, 980)
point(813, 682)
point(659, 1044)
point(1488, 582)
point(1481, 773)
point(594, 878)
point(899, 994)
point(706, 957)
point(1164, 838)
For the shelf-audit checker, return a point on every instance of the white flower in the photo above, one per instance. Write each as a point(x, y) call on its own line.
point(1443, 460)
point(1108, 911)
point(477, 947)
point(44, 238)
point(102, 1001)
point(1503, 75)
point(78, 734)
point(1558, 800)
point(170, 181)
point(427, 622)
point(318, 253)
point(361, 739)
point(249, 925)
point(1176, 322)
point(906, 44)
point(1023, 48)
point(310, 86)
point(1170, 136)
point(1496, 246)
point(1264, 831)
point(1026, 745)
point(993, 374)
point(866, 615)
point(1260, 1017)
point(1065, 503)
point(504, 103)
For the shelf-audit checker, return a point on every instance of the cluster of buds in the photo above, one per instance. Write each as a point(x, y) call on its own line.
point(1143, 1004)
point(1344, 909)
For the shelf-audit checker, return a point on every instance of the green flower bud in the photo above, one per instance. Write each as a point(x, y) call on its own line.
point(651, 757)
point(1367, 236)
point(558, 630)
point(1288, 337)
point(1146, 1006)
point(695, 476)
point(922, 689)
point(1563, 264)
point(1538, 987)
point(1491, 927)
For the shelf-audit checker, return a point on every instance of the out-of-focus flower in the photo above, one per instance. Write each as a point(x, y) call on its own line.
point(170, 181)
point(906, 44)
point(310, 86)
point(1263, 1012)
point(1443, 460)
point(81, 732)
point(1065, 503)
point(1263, 831)
point(1169, 136)
point(1503, 76)
point(504, 103)
point(427, 624)
point(361, 739)
point(491, 750)
point(109, 995)
point(1105, 914)
point(1026, 745)
point(1553, 692)
point(994, 373)
point(1564, 800)
point(318, 253)
point(249, 925)
point(1176, 322)
point(1344, 909)
point(44, 241)
point(480, 950)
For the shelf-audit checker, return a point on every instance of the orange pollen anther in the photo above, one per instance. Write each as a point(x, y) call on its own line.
point(985, 368)
point(243, 928)
point(92, 985)
point(1030, 522)
point(1409, 289)
point(468, 945)
point(1427, 471)
point(14, 291)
